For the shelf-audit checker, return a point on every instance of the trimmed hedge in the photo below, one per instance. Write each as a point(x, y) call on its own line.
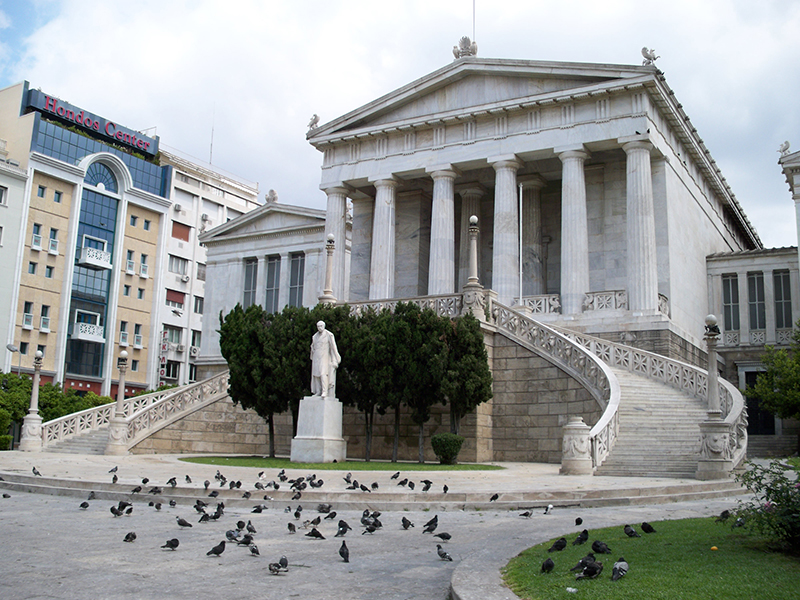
point(446, 446)
point(5, 442)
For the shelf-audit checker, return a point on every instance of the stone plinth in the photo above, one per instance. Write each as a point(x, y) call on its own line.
point(117, 437)
point(716, 460)
point(319, 431)
point(31, 433)
point(576, 456)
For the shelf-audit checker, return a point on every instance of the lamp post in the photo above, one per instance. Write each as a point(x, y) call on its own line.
point(12, 348)
point(712, 336)
point(32, 423)
point(474, 294)
point(117, 427)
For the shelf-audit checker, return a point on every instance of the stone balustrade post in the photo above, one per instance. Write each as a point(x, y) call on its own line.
point(32, 423)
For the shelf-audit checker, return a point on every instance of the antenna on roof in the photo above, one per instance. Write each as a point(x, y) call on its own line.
point(473, 19)
point(211, 148)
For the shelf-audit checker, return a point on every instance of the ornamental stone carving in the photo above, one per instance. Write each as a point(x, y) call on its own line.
point(465, 47)
point(576, 448)
point(715, 445)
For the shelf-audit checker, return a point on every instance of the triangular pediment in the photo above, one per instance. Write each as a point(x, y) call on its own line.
point(271, 217)
point(473, 84)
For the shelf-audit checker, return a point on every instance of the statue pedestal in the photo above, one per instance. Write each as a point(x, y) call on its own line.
point(319, 431)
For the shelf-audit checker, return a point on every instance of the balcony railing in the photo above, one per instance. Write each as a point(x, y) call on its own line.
point(94, 258)
point(89, 332)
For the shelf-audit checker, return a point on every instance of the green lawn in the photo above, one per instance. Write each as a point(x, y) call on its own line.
point(675, 563)
point(259, 462)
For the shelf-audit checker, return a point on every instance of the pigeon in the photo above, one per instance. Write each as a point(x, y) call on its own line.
point(130, 536)
point(274, 568)
point(136, 490)
point(297, 514)
point(443, 553)
point(250, 528)
point(723, 516)
point(172, 482)
point(284, 563)
point(494, 497)
point(174, 543)
point(558, 545)
point(6, 495)
point(232, 535)
point(590, 571)
point(370, 529)
point(292, 528)
point(91, 495)
point(182, 522)
point(114, 479)
point(297, 496)
point(344, 552)
point(254, 550)
point(395, 476)
point(548, 565)
point(406, 523)
point(578, 522)
point(589, 558)
point(630, 531)
point(213, 494)
point(84, 505)
point(445, 537)
point(217, 550)
point(619, 570)
point(739, 522)
point(240, 525)
point(582, 538)
point(444, 489)
point(331, 515)
point(204, 518)
point(341, 532)
point(206, 483)
point(426, 484)
point(172, 504)
point(259, 485)
point(548, 509)
point(35, 471)
point(343, 525)
point(315, 534)
point(374, 485)
point(324, 508)
point(402, 482)
point(246, 540)
point(348, 478)
point(114, 470)
point(364, 488)
point(647, 528)
point(188, 479)
point(155, 491)
point(129, 511)
point(431, 527)
point(115, 511)
point(600, 547)
point(411, 485)
point(316, 521)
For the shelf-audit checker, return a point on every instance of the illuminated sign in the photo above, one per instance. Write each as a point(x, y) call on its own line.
point(99, 126)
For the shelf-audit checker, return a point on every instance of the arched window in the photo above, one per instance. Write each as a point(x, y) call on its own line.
point(101, 176)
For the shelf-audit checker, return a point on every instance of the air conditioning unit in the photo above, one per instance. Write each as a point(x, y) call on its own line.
point(177, 208)
point(181, 348)
point(185, 279)
point(194, 351)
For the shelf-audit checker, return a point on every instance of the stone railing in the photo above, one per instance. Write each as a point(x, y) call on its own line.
point(689, 379)
point(607, 300)
point(171, 406)
point(450, 305)
point(573, 358)
point(93, 418)
point(542, 305)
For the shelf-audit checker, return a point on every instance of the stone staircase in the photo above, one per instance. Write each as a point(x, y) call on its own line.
point(91, 442)
point(659, 432)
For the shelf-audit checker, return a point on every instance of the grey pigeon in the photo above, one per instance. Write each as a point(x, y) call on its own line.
point(173, 504)
point(183, 522)
point(444, 489)
point(558, 545)
point(136, 490)
point(250, 528)
point(344, 552)
point(445, 537)
point(406, 523)
point(494, 497)
point(395, 476)
point(292, 528)
point(172, 482)
point(91, 495)
point(188, 479)
point(619, 570)
point(174, 543)
point(331, 515)
point(130, 536)
point(284, 563)
point(254, 550)
point(443, 553)
point(217, 550)
point(548, 509)
point(35, 471)
point(578, 522)
point(630, 531)
point(590, 571)
point(548, 565)
point(114, 470)
point(527, 514)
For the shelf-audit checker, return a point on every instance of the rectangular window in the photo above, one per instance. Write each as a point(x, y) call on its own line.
point(53, 245)
point(48, 272)
point(44, 324)
point(296, 275)
point(172, 369)
point(140, 294)
point(177, 265)
point(201, 272)
point(130, 256)
point(146, 225)
point(198, 305)
point(3, 195)
point(41, 348)
point(250, 278)
point(181, 231)
point(730, 302)
point(28, 308)
point(57, 197)
point(196, 337)
point(755, 292)
point(175, 299)
point(134, 218)
point(134, 365)
point(1, 235)
point(174, 334)
point(137, 335)
point(32, 268)
point(783, 300)
point(273, 281)
point(41, 191)
point(126, 290)
point(192, 373)
point(36, 238)
point(23, 347)
point(123, 333)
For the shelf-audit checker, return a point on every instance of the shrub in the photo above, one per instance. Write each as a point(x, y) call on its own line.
point(446, 446)
point(5, 442)
point(775, 512)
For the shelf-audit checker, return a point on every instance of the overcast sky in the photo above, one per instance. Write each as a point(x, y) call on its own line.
point(257, 70)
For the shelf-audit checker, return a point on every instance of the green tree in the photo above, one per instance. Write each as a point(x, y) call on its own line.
point(778, 388)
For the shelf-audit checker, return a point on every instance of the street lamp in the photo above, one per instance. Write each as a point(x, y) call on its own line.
point(712, 336)
point(12, 348)
point(32, 423)
point(117, 427)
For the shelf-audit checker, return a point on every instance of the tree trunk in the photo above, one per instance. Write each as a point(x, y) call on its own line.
point(271, 425)
point(422, 443)
point(396, 442)
point(369, 418)
point(455, 421)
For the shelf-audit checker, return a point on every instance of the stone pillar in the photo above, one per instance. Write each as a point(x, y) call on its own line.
point(335, 219)
point(327, 293)
point(505, 254)
point(576, 448)
point(441, 270)
point(470, 206)
point(381, 269)
point(533, 253)
point(641, 229)
point(474, 297)
point(32, 423)
point(117, 427)
point(716, 454)
point(574, 232)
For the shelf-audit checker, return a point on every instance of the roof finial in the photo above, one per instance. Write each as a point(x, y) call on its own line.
point(465, 47)
point(650, 57)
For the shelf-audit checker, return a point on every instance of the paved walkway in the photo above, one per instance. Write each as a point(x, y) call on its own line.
point(61, 551)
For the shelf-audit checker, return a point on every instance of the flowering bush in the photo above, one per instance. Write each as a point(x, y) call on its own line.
point(775, 512)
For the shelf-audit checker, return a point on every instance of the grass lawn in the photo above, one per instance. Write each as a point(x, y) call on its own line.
point(675, 563)
point(259, 462)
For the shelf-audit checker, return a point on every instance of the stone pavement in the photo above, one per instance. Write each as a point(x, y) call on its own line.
point(55, 550)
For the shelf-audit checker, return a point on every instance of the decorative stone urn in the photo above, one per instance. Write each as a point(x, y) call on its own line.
point(576, 456)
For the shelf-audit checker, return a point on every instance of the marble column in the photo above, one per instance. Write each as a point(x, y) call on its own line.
point(381, 271)
point(505, 254)
point(470, 205)
point(335, 224)
point(574, 232)
point(641, 229)
point(441, 263)
point(533, 265)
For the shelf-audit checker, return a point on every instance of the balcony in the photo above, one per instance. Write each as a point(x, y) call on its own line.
point(36, 242)
point(88, 332)
point(93, 258)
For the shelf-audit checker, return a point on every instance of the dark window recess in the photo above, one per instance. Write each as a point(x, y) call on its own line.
point(760, 422)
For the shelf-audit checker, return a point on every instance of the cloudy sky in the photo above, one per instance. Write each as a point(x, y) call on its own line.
point(255, 71)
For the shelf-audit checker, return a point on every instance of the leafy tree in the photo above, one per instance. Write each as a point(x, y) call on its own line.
point(778, 388)
point(467, 379)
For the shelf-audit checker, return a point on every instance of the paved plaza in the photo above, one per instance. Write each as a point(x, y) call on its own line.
point(53, 549)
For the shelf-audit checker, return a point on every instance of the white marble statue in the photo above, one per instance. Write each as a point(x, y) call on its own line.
point(314, 122)
point(784, 148)
point(465, 47)
point(324, 361)
point(650, 57)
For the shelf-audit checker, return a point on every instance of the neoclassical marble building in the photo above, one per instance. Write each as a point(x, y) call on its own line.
point(620, 199)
